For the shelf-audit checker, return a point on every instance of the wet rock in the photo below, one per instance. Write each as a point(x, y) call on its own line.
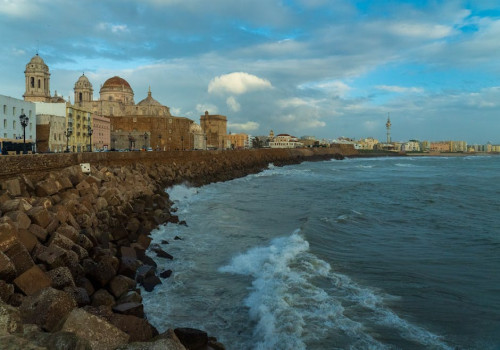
point(102, 298)
point(150, 282)
point(128, 266)
point(134, 309)
point(119, 285)
point(191, 338)
point(130, 297)
point(143, 272)
point(166, 274)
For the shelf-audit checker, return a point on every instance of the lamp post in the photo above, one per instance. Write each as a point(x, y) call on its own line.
point(131, 141)
point(90, 132)
point(68, 133)
point(24, 123)
point(145, 140)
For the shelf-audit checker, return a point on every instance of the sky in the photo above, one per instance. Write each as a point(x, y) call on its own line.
point(325, 68)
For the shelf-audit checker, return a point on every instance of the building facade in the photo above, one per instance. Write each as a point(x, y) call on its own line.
point(285, 141)
point(215, 128)
point(12, 131)
point(238, 141)
point(51, 125)
point(101, 133)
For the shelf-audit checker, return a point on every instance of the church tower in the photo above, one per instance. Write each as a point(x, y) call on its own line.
point(388, 127)
point(83, 90)
point(37, 81)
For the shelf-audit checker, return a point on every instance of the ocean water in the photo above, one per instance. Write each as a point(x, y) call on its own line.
point(374, 253)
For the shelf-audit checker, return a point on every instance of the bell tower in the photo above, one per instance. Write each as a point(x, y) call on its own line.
point(83, 90)
point(37, 81)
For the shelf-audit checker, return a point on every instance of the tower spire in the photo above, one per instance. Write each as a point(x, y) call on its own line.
point(388, 127)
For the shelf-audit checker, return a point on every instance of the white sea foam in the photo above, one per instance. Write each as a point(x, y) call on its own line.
point(296, 298)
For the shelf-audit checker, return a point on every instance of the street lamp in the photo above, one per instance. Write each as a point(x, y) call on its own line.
point(90, 132)
point(145, 140)
point(131, 141)
point(24, 123)
point(68, 133)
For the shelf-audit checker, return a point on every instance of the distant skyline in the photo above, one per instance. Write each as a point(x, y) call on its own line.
point(326, 68)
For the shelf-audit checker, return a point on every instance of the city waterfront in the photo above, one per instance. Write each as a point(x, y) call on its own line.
point(381, 253)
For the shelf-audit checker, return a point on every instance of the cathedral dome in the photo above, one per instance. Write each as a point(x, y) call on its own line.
point(117, 89)
point(195, 129)
point(116, 82)
point(149, 101)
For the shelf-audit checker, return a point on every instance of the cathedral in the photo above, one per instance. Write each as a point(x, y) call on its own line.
point(144, 125)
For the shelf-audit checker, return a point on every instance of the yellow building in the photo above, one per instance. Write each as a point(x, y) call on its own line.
point(78, 122)
point(238, 141)
point(367, 143)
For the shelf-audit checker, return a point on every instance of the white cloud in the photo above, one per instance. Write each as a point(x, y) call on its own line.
point(233, 104)
point(238, 83)
point(301, 122)
point(201, 108)
point(114, 28)
point(420, 30)
point(18, 8)
point(400, 89)
point(248, 126)
point(333, 87)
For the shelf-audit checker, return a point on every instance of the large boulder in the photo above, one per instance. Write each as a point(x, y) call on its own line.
point(32, 281)
point(61, 277)
point(47, 308)
point(191, 338)
point(20, 218)
point(137, 328)
point(13, 186)
point(99, 333)
point(7, 269)
point(40, 216)
point(47, 187)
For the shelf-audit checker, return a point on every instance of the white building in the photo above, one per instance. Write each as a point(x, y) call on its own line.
point(285, 141)
point(411, 146)
point(11, 130)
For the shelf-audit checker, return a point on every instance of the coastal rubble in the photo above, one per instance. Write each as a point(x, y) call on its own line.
point(73, 253)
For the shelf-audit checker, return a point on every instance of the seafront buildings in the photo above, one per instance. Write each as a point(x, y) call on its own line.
point(12, 131)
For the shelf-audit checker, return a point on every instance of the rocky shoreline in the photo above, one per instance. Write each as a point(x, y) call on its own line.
point(73, 249)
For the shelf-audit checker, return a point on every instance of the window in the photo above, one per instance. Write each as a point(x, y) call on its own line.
point(5, 123)
point(4, 109)
point(39, 83)
point(32, 82)
point(13, 124)
point(30, 113)
point(22, 110)
point(170, 121)
point(31, 126)
point(13, 110)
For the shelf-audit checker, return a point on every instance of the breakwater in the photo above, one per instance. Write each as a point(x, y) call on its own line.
point(74, 246)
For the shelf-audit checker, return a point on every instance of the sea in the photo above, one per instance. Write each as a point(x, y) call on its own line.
point(362, 253)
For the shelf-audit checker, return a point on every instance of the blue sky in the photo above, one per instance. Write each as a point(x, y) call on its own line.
point(327, 68)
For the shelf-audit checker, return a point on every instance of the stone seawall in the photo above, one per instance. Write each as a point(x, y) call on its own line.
point(41, 163)
point(73, 245)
